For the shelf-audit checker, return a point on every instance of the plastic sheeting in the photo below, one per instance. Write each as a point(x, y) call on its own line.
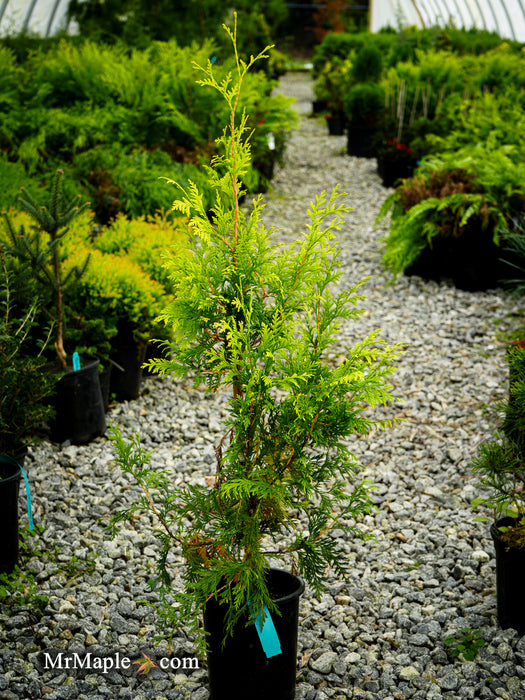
point(505, 17)
point(40, 17)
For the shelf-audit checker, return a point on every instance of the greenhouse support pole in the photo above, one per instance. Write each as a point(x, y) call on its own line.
point(505, 10)
point(28, 16)
point(416, 8)
point(52, 17)
point(482, 15)
point(3, 9)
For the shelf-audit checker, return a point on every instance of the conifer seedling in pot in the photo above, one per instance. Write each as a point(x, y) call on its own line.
point(258, 319)
point(41, 250)
point(79, 409)
point(500, 465)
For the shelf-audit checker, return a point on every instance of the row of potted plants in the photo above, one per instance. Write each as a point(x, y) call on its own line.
point(121, 121)
point(439, 127)
point(397, 110)
point(100, 288)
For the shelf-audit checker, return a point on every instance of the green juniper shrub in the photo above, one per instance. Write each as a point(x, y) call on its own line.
point(258, 319)
point(367, 65)
point(336, 46)
point(364, 104)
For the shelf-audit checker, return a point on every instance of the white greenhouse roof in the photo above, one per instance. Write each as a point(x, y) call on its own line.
point(40, 17)
point(505, 17)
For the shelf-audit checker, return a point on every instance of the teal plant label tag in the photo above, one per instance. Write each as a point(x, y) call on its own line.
point(28, 496)
point(76, 361)
point(268, 634)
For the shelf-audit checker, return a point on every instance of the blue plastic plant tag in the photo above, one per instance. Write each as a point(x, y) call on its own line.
point(76, 361)
point(28, 496)
point(268, 634)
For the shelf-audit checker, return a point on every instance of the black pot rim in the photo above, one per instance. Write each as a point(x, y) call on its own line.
point(295, 593)
point(505, 520)
point(89, 363)
point(11, 461)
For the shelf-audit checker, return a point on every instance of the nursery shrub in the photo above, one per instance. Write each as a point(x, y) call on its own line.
point(118, 120)
point(447, 196)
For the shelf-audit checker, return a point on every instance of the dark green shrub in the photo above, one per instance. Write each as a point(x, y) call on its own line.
point(25, 386)
point(364, 104)
point(121, 120)
point(499, 463)
point(367, 65)
point(335, 46)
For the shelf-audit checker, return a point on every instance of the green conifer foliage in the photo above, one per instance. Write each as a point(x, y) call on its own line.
point(257, 320)
point(41, 251)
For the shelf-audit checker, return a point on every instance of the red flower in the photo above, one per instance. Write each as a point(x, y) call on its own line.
point(399, 146)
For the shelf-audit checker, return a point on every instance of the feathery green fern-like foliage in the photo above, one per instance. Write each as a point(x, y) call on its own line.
point(493, 193)
point(259, 319)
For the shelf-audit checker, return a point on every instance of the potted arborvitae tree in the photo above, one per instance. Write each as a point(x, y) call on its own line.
point(79, 411)
point(259, 319)
point(500, 464)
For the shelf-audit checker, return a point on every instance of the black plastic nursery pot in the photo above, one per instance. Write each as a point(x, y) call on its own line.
point(470, 261)
point(9, 486)
point(391, 169)
point(336, 123)
point(79, 407)
point(361, 141)
point(510, 574)
point(104, 378)
point(240, 670)
point(128, 355)
point(319, 106)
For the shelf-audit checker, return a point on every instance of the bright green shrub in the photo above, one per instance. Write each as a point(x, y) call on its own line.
point(123, 281)
point(114, 288)
point(483, 118)
point(144, 242)
point(70, 73)
point(502, 70)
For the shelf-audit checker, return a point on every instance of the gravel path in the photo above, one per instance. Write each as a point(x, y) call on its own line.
point(428, 574)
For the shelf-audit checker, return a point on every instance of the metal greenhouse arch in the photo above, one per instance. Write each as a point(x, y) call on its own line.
point(41, 17)
point(505, 17)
